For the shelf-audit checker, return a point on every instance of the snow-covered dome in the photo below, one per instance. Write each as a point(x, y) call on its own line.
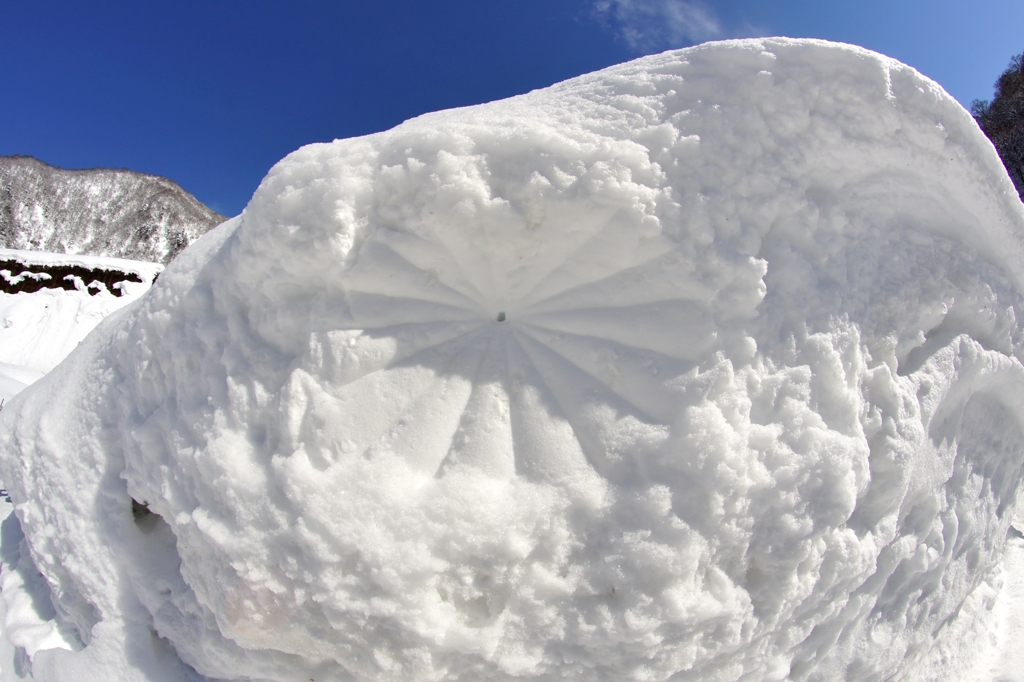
point(702, 367)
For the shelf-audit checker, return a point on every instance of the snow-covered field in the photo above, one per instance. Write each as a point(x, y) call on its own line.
point(37, 331)
point(702, 367)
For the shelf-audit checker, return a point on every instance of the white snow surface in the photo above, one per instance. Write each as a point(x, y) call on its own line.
point(753, 410)
point(38, 330)
point(146, 270)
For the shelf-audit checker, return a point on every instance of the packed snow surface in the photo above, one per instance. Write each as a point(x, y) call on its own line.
point(701, 367)
point(37, 331)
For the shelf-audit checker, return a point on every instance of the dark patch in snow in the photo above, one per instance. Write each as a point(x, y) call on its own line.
point(17, 277)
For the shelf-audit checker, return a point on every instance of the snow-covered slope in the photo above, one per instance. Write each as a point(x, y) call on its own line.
point(701, 367)
point(38, 330)
point(102, 212)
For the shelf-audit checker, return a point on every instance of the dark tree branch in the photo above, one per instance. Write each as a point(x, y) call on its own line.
point(1002, 119)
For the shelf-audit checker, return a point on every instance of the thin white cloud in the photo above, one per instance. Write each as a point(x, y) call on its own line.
point(651, 25)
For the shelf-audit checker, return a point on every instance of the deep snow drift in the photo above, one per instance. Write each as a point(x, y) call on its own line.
point(702, 367)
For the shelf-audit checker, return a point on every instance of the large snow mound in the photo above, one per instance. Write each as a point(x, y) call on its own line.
point(702, 367)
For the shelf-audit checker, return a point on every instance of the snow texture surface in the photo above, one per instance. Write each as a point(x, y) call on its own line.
point(701, 367)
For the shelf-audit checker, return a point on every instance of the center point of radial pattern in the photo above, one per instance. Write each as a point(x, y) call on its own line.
point(501, 317)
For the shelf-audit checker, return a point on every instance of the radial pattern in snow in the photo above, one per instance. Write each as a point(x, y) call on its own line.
point(700, 367)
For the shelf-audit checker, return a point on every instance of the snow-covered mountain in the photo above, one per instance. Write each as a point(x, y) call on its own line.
point(100, 212)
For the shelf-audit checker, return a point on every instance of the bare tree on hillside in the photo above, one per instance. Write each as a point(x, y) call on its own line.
point(1002, 119)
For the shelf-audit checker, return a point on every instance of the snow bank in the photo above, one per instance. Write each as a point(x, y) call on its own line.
point(39, 329)
point(145, 270)
point(27, 272)
point(705, 366)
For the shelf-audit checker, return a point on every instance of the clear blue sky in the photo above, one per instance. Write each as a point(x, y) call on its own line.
point(211, 93)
